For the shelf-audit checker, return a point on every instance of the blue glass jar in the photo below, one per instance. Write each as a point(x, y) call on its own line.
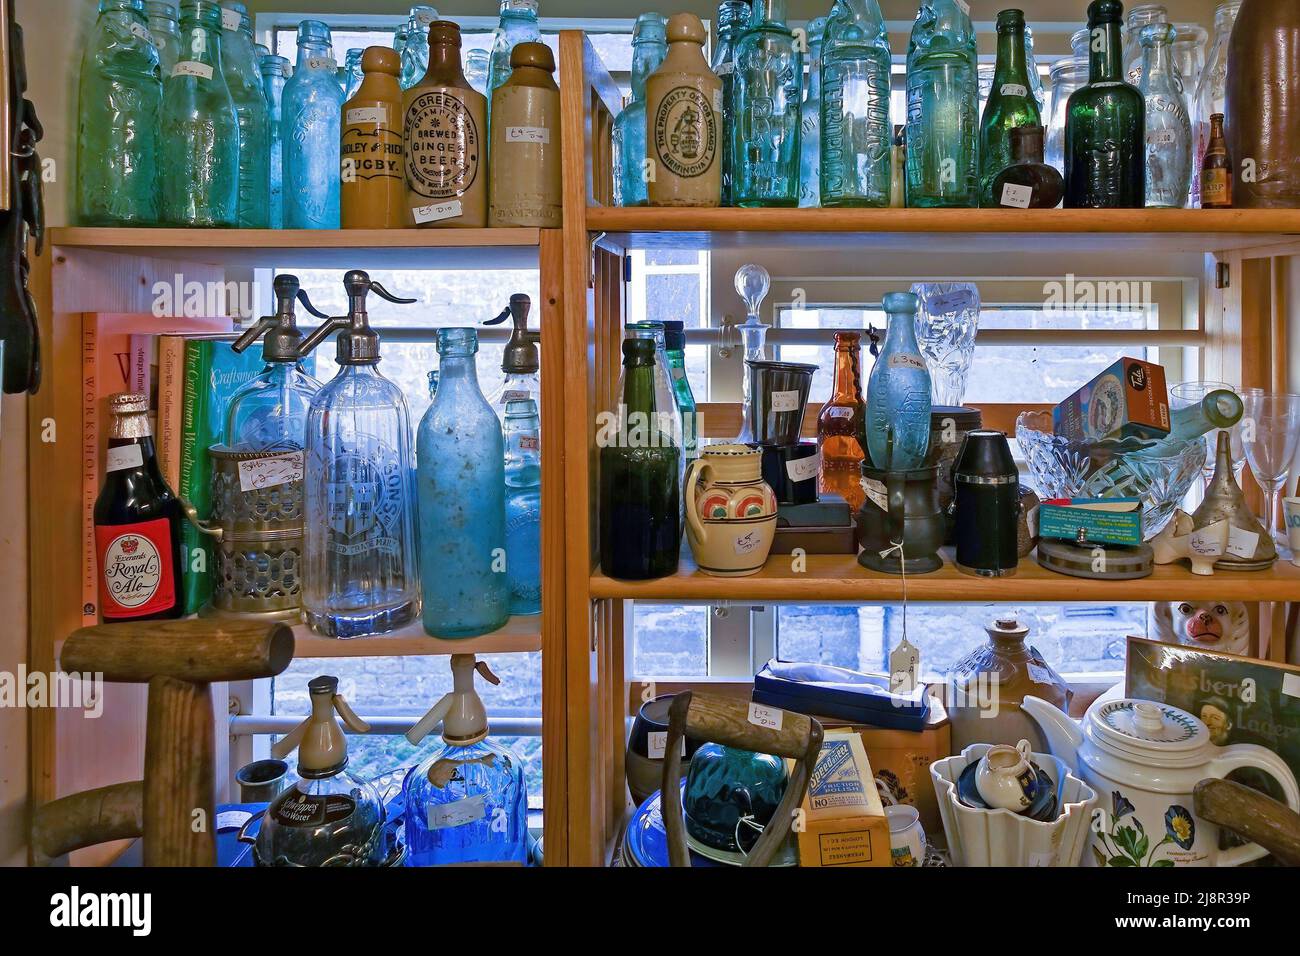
point(898, 393)
point(523, 437)
point(460, 487)
point(275, 70)
point(312, 131)
point(649, 47)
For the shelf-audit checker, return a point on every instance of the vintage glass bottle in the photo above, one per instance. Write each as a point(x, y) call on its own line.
point(733, 20)
point(120, 95)
point(1068, 75)
point(1169, 147)
point(518, 24)
point(649, 47)
point(1216, 169)
point(1033, 184)
point(138, 548)
point(1140, 16)
point(477, 64)
point(520, 360)
point(359, 568)
point(810, 122)
point(684, 132)
point(898, 392)
point(523, 438)
point(199, 129)
point(1031, 68)
point(1011, 103)
point(856, 133)
point(275, 70)
point(640, 487)
point(461, 493)
point(415, 54)
point(165, 28)
point(372, 194)
point(401, 36)
point(765, 98)
point(841, 426)
point(524, 158)
point(352, 72)
point(1105, 141)
point(244, 78)
point(1211, 93)
point(675, 351)
point(312, 120)
point(942, 108)
point(665, 389)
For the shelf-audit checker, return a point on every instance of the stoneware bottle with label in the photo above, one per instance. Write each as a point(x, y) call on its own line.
point(445, 135)
point(373, 190)
point(684, 121)
point(525, 165)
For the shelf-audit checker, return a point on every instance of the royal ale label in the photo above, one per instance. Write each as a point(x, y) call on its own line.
point(137, 576)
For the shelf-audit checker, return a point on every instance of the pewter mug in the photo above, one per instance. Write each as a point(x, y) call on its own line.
point(901, 506)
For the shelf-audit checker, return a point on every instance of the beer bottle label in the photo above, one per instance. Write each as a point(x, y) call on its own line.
point(443, 146)
point(1215, 187)
point(137, 576)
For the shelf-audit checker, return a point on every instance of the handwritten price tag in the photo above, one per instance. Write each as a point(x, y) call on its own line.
point(230, 20)
point(785, 401)
point(657, 745)
point(443, 816)
point(270, 471)
point(527, 134)
point(191, 68)
point(437, 211)
point(770, 717)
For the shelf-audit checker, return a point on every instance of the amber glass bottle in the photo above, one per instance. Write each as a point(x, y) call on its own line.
point(372, 194)
point(841, 426)
point(1216, 169)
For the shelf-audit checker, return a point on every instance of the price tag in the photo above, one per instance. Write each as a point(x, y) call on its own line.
point(1038, 674)
point(1291, 685)
point(950, 302)
point(770, 717)
point(904, 664)
point(725, 69)
point(804, 469)
point(877, 493)
point(839, 412)
point(515, 395)
point(1041, 859)
point(270, 471)
point(192, 68)
point(963, 6)
point(425, 18)
point(1014, 89)
point(528, 134)
point(229, 19)
point(444, 816)
point(232, 819)
point(529, 442)
point(1017, 197)
point(785, 401)
point(748, 543)
point(123, 457)
point(321, 63)
point(436, 212)
point(907, 360)
point(140, 32)
point(1161, 137)
point(1242, 544)
point(657, 745)
point(1208, 542)
point(368, 114)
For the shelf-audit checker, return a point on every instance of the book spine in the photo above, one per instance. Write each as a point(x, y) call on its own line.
point(193, 474)
point(89, 469)
point(171, 373)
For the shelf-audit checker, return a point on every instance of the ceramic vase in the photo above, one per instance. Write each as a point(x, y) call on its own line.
point(730, 511)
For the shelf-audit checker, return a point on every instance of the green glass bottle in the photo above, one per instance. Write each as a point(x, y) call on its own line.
point(766, 94)
point(1011, 103)
point(1105, 124)
point(117, 130)
point(675, 349)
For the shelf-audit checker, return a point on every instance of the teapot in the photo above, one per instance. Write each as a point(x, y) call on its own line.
point(1147, 757)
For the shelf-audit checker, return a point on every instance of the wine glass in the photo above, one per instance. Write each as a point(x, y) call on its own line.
point(1193, 393)
point(1270, 434)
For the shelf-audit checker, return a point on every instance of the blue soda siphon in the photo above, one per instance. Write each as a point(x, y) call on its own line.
point(165, 28)
point(518, 24)
point(856, 134)
point(312, 132)
point(810, 122)
point(120, 96)
point(460, 486)
point(649, 47)
point(275, 70)
point(352, 73)
point(415, 55)
point(199, 131)
point(942, 108)
point(733, 20)
point(765, 100)
point(898, 392)
point(523, 438)
point(467, 802)
point(1169, 145)
point(244, 78)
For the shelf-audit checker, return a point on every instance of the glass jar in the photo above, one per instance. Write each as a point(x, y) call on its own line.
point(244, 78)
point(1169, 147)
point(942, 108)
point(765, 110)
point(1068, 75)
point(856, 132)
point(312, 120)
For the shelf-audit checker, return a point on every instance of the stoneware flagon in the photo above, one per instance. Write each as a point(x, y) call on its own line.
point(730, 511)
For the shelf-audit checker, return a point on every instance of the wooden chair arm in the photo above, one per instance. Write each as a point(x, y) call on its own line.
point(86, 819)
point(1252, 815)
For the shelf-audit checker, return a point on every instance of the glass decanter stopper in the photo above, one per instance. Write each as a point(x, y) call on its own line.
point(752, 285)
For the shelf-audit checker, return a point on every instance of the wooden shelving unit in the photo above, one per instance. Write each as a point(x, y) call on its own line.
point(521, 635)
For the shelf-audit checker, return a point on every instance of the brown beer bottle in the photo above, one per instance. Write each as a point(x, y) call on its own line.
point(446, 140)
point(372, 194)
point(841, 426)
point(684, 122)
point(525, 153)
point(1216, 169)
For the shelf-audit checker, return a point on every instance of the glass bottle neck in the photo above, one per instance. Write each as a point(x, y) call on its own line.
point(313, 53)
point(639, 389)
point(814, 68)
point(771, 11)
point(1158, 62)
point(1105, 50)
point(901, 336)
point(847, 387)
point(1011, 64)
point(646, 57)
point(457, 374)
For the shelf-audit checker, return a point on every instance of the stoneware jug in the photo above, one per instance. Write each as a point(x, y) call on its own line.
point(730, 510)
point(1144, 759)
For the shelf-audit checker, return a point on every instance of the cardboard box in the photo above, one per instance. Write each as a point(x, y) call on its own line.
point(1102, 521)
point(1128, 400)
point(842, 822)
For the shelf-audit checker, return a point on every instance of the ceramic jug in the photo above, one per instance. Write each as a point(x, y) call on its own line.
point(1145, 759)
point(730, 510)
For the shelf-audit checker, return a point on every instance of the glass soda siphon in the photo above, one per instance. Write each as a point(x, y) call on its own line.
point(765, 99)
point(810, 122)
point(1011, 103)
point(165, 28)
point(520, 361)
point(899, 392)
point(523, 438)
point(856, 133)
point(275, 70)
point(649, 47)
point(312, 124)
point(244, 78)
point(1169, 147)
point(733, 20)
point(942, 108)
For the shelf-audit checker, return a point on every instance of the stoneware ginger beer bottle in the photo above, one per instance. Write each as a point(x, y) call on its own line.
point(446, 140)
point(684, 122)
point(372, 193)
point(525, 154)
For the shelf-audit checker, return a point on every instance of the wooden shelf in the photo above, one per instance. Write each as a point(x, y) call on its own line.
point(520, 635)
point(839, 578)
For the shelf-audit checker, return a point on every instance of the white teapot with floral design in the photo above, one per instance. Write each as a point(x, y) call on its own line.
point(1144, 759)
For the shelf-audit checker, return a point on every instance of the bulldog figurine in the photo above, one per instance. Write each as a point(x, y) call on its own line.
point(1221, 626)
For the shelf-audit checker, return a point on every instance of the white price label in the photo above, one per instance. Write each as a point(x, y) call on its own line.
point(950, 302)
point(425, 18)
point(1039, 674)
point(271, 471)
point(1016, 196)
point(436, 212)
point(877, 493)
point(528, 134)
point(443, 816)
point(141, 32)
point(785, 401)
point(1242, 544)
point(1014, 89)
point(769, 717)
point(839, 412)
point(1161, 137)
point(804, 469)
point(1041, 859)
point(529, 442)
point(232, 819)
point(229, 20)
point(1291, 685)
point(904, 662)
point(657, 745)
point(192, 68)
point(907, 360)
point(368, 114)
point(963, 6)
point(123, 457)
point(725, 69)
point(1208, 542)
point(322, 63)
point(748, 543)
point(515, 395)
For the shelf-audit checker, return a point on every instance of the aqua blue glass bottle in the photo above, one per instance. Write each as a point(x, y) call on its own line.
point(942, 108)
point(460, 487)
point(352, 74)
point(733, 20)
point(856, 134)
point(518, 24)
point(765, 101)
point(244, 79)
point(415, 54)
point(312, 116)
point(649, 47)
point(523, 438)
point(199, 170)
point(275, 70)
point(165, 27)
point(898, 392)
point(810, 122)
point(117, 129)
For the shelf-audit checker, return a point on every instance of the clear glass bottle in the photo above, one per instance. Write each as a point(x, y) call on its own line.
point(649, 47)
point(1211, 94)
point(460, 461)
point(733, 20)
point(275, 70)
point(765, 98)
point(898, 392)
point(165, 28)
point(810, 121)
point(518, 24)
point(359, 566)
point(523, 438)
point(841, 426)
point(415, 55)
point(199, 129)
point(244, 78)
point(352, 73)
point(1169, 146)
point(467, 801)
point(856, 132)
point(1031, 67)
point(675, 350)
point(942, 108)
point(120, 95)
point(400, 38)
point(1139, 15)
point(1068, 74)
point(477, 64)
point(1189, 54)
point(312, 120)
point(1011, 103)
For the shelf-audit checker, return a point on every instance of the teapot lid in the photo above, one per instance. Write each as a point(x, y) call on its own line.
point(1148, 727)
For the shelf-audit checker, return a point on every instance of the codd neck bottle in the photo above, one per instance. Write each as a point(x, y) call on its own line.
point(810, 122)
point(200, 131)
point(856, 133)
point(733, 20)
point(765, 98)
point(649, 47)
point(1068, 74)
point(898, 392)
point(120, 96)
point(1211, 92)
point(415, 55)
point(523, 436)
point(518, 24)
point(640, 487)
point(312, 125)
point(942, 108)
point(1139, 16)
point(165, 28)
point(1169, 147)
point(462, 499)
point(244, 78)
point(1105, 156)
point(400, 38)
point(352, 73)
point(275, 70)
point(477, 65)
point(1011, 103)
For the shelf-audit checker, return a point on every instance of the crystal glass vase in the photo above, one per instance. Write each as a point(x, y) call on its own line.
point(244, 78)
point(947, 320)
point(898, 392)
point(1169, 146)
point(942, 108)
point(765, 100)
point(649, 47)
point(856, 132)
point(312, 128)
